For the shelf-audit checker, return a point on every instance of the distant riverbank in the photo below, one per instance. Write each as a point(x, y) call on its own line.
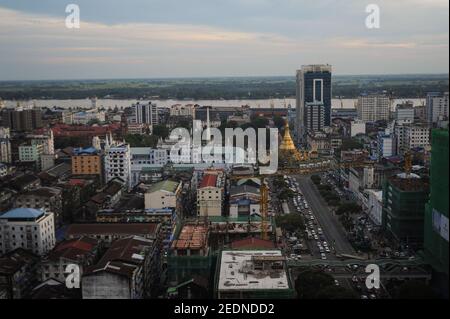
point(266, 103)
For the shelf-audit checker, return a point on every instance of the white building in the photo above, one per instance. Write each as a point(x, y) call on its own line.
point(375, 206)
point(411, 136)
point(182, 110)
point(373, 107)
point(386, 144)
point(357, 127)
point(404, 114)
point(85, 117)
point(437, 107)
point(118, 163)
point(5, 150)
point(27, 228)
point(210, 195)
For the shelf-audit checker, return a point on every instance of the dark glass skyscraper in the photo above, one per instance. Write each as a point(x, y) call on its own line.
point(313, 86)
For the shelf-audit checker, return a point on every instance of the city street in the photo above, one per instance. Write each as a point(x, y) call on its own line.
point(330, 224)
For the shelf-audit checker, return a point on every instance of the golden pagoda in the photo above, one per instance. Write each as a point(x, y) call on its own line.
point(288, 143)
point(288, 151)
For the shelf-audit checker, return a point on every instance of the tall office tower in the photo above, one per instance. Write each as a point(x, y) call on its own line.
point(314, 116)
point(373, 107)
point(437, 107)
point(313, 86)
point(146, 113)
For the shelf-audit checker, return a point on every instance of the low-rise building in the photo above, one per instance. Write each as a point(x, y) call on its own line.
point(87, 161)
point(210, 195)
point(165, 194)
point(108, 233)
point(130, 269)
point(244, 201)
point(82, 252)
point(18, 273)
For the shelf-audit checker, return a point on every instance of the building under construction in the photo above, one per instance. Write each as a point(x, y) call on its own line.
point(189, 254)
point(404, 198)
point(225, 230)
point(252, 274)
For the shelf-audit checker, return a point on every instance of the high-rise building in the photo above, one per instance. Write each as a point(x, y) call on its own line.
point(411, 136)
point(118, 163)
point(436, 211)
point(373, 107)
point(404, 198)
point(21, 119)
point(386, 144)
point(437, 107)
point(313, 86)
point(146, 113)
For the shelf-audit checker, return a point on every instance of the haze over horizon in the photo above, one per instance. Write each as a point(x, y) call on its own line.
point(141, 39)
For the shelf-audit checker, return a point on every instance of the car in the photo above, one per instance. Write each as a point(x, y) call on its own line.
point(323, 256)
point(364, 297)
point(336, 283)
point(327, 250)
point(316, 237)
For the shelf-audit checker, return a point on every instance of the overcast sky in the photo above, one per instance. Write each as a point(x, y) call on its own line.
point(192, 38)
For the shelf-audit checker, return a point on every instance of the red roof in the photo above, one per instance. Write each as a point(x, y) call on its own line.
point(209, 181)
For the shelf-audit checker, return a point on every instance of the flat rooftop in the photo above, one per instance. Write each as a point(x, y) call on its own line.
point(253, 270)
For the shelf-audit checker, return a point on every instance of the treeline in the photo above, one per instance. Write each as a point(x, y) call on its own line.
point(218, 88)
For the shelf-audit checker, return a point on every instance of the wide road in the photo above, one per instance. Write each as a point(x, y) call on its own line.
point(330, 224)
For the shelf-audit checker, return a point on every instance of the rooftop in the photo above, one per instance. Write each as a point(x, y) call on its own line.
point(85, 151)
point(253, 270)
point(23, 213)
point(167, 186)
point(74, 249)
point(75, 230)
point(123, 257)
point(209, 180)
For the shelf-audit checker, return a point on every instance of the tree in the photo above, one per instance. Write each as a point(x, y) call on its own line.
point(350, 144)
point(349, 208)
point(161, 131)
point(279, 122)
point(290, 222)
point(260, 122)
point(310, 282)
point(316, 179)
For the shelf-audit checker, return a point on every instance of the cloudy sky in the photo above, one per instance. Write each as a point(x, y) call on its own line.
point(192, 38)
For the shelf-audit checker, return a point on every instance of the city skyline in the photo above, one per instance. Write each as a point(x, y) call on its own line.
point(150, 39)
